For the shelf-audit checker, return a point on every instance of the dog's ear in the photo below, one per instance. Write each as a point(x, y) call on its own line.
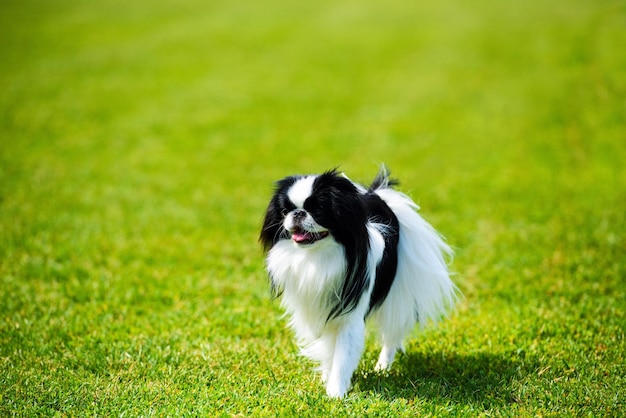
point(279, 205)
point(336, 184)
point(271, 226)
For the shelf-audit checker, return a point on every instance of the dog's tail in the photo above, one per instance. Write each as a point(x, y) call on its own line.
point(383, 180)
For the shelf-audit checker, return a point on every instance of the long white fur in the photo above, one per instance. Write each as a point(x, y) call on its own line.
point(422, 284)
point(309, 275)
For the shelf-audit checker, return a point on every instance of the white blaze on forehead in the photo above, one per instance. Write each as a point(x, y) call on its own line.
point(301, 190)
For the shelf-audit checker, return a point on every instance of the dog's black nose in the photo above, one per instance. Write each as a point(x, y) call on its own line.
point(299, 214)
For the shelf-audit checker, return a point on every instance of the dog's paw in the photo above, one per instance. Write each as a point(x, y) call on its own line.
point(382, 366)
point(385, 359)
point(336, 390)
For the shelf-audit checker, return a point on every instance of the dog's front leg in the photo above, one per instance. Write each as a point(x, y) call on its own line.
point(348, 350)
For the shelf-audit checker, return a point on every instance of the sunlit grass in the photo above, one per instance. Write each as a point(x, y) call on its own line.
point(139, 143)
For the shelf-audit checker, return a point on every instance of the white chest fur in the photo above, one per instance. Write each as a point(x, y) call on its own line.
point(309, 278)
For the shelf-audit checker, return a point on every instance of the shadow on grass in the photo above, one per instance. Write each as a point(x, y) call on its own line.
point(482, 380)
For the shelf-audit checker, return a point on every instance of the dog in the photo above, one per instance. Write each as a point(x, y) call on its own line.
point(339, 253)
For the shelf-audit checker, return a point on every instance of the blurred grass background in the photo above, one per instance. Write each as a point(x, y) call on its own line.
point(139, 143)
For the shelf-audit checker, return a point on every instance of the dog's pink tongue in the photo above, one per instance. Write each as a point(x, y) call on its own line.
point(301, 236)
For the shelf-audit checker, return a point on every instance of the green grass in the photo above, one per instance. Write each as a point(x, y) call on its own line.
point(138, 146)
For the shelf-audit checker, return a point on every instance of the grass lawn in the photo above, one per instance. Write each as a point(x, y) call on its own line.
point(138, 146)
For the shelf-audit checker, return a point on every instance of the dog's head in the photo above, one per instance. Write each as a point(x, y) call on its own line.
point(311, 209)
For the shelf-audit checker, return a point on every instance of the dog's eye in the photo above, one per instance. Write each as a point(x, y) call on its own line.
point(284, 212)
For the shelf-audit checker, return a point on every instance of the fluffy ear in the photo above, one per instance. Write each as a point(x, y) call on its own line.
point(340, 199)
point(273, 229)
point(348, 223)
point(336, 187)
point(271, 226)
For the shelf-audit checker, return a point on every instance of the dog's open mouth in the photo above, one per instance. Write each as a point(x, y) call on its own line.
point(300, 236)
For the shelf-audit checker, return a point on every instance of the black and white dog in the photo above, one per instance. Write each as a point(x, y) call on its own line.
point(339, 253)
